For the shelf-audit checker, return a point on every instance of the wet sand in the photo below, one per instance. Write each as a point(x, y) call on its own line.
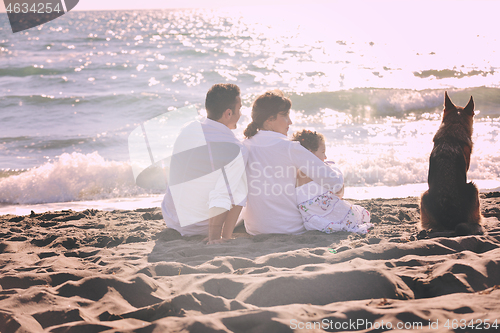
point(123, 271)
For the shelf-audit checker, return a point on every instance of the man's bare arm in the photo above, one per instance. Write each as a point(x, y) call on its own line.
point(231, 219)
point(215, 224)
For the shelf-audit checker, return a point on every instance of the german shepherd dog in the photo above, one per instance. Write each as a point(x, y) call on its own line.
point(451, 205)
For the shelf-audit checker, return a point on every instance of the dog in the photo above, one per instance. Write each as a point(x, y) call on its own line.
point(451, 205)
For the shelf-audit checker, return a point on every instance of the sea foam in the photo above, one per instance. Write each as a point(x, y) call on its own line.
point(70, 177)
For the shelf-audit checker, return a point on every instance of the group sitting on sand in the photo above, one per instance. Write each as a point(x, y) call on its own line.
point(286, 186)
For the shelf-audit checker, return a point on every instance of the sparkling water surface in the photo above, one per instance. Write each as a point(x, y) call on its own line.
point(369, 79)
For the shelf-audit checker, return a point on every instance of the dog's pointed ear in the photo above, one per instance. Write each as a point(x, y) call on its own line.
point(448, 104)
point(469, 108)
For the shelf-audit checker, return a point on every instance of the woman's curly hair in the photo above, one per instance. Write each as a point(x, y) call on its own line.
point(309, 139)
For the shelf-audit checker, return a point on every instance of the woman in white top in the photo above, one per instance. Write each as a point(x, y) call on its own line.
point(273, 162)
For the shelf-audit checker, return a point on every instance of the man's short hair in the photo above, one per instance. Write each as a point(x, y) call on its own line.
point(220, 97)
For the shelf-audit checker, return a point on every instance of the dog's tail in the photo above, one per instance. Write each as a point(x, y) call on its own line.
point(465, 229)
point(472, 213)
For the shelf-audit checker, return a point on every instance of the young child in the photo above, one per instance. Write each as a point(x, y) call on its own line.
point(324, 210)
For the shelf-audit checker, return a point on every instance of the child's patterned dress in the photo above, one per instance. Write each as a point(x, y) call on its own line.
point(324, 211)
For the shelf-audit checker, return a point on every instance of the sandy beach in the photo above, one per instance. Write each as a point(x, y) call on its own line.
point(94, 100)
point(124, 271)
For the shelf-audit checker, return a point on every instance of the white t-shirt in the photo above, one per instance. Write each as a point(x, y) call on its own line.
point(272, 166)
point(186, 203)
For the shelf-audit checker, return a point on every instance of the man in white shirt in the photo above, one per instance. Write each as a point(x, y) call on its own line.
point(207, 180)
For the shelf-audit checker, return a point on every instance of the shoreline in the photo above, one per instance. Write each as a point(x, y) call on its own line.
point(124, 271)
point(152, 201)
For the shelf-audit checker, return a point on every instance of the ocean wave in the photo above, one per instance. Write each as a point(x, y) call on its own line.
point(4, 173)
point(389, 170)
point(82, 177)
point(377, 102)
point(29, 71)
point(37, 100)
point(447, 73)
point(72, 177)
